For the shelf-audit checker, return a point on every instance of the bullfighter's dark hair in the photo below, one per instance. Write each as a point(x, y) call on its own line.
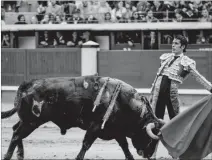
point(183, 41)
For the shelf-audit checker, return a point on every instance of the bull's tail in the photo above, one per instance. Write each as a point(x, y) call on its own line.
point(17, 101)
point(9, 113)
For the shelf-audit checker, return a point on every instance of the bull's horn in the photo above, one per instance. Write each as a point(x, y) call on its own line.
point(149, 128)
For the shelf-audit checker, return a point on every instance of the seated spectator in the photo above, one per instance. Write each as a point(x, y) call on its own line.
point(103, 9)
point(86, 36)
point(59, 39)
point(53, 8)
point(95, 7)
point(142, 6)
point(108, 18)
point(26, 6)
point(33, 20)
point(45, 19)
point(188, 15)
point(137, 18)
point(76, 18)
point(41, 10)
point(201, 40)
point(74, 40)
point(150, 17)
point(91, 19)
point(134, 17)
point(205, 16)
point(51, 19)
point(10, 6)
point(128, 14)
point(69, 7)
point(46, 39)
point(166, 17)
point(170, 8)
point(5, 40)
point(167, 39)
point(132, 4)
point(21, 19)
point(159, 8)
point(150, 41)
point(63, 19)
point(178, 17)
point(118, 12)
point(141, 16)
point(86, 9)
point(123, 37)
point(58, 19)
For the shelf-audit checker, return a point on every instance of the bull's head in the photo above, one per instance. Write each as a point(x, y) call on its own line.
point(145, 138)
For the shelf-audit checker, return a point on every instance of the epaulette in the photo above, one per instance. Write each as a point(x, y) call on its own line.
point(186, 61)
point(166, 55)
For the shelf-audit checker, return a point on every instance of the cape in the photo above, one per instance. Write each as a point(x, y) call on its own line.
point(189, 135)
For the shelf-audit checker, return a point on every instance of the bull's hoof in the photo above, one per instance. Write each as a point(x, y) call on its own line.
point(130, 158)
point(6, 157)
point(20, 157)
point(78, 158)
point(63, 131)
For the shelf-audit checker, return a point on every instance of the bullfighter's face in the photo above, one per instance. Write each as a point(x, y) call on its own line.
point(177, 48)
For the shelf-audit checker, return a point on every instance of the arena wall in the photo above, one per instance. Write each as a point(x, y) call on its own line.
point(137, 68)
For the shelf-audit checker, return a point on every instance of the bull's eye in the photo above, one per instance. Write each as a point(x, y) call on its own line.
point(96, 86)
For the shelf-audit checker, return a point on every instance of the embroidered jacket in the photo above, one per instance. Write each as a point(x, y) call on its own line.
point(180, 69)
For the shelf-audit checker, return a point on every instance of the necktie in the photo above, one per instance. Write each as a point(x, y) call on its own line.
point(172, 61)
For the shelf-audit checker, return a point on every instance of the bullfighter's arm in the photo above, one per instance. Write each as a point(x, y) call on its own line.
point(201, 79)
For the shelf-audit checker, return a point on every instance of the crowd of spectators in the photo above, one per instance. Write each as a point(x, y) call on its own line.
point(63, 38)
point(128, 11)
point(65, 12)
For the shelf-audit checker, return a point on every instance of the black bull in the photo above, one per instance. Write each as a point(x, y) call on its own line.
point(68, 102)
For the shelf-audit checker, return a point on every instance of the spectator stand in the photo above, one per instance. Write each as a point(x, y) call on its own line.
point(143, 31)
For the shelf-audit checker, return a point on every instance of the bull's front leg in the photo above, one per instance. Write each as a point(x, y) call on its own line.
point(122, 141)
point(90, 137)
point(20, 150)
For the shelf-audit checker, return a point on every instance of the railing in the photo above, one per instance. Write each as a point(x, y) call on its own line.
point(112, 27)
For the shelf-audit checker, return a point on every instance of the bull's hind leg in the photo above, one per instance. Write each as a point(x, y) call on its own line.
point(122, 141)
point(90, 137)
point(22, 131)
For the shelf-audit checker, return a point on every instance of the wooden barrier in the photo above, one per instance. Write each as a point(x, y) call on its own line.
point(139, 68)
point(13, 66)
point(19, 64)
